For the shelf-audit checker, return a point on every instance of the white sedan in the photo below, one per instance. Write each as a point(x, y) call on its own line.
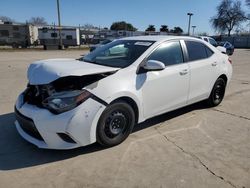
point(70, 103)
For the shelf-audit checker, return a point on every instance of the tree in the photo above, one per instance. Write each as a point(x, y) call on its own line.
point(176, 30)
point(248, 3)
point(150, 28)
point(203, 34)
point(229, 16)
point(89, 26)
point(40, 21)
point(164, 28)
point(122, 26)
point(6, 19)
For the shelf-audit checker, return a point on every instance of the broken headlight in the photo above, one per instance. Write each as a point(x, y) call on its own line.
point(64, 101)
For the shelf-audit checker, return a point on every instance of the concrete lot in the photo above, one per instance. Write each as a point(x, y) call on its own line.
point(190, 147)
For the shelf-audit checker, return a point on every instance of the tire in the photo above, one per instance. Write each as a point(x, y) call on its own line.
point(217, 93)
point(115, 124)
point(15, 45)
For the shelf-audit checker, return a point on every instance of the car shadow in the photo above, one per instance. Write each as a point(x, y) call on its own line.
point(16, 153)
point(170, 115)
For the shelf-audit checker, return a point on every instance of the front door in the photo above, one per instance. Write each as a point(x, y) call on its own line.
point(167, 89)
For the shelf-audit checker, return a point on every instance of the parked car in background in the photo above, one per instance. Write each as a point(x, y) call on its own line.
point(229, 47)
point(214, 43)
point(70, 103)
point(100, 44)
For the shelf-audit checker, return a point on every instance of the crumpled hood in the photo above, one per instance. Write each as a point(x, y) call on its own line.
point(46, 71)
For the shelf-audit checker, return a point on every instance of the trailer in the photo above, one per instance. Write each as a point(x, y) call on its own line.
point(49, 37)
point(17, 35)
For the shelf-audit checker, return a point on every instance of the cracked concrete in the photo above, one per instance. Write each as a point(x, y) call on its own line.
point(191, 147)
point(231, 114)
point(198, 159)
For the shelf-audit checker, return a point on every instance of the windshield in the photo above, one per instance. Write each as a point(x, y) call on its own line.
point(120, 53)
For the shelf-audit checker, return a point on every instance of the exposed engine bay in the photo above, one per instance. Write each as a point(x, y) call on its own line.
point(36, 94)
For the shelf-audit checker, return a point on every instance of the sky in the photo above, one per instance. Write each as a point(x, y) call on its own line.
point(102, 13)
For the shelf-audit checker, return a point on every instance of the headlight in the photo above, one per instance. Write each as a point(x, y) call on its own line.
point(64, 101)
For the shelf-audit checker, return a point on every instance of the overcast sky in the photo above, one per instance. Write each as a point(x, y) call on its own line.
point(102, 13)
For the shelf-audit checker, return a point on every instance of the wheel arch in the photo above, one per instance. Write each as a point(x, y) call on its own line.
point(131, 102)
point(224, 77)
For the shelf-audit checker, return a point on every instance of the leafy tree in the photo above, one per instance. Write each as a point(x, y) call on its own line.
point(150, 28)
point(248, 3)
point(229, 16)
point(164, 28)
point(122, 26)
point(6, 19)
point(176, 30)
point(38, 21)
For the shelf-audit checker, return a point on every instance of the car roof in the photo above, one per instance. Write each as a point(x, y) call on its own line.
point(158, 38)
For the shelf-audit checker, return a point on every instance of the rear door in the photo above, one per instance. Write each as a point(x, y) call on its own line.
point(203, 70)
point(166, 89)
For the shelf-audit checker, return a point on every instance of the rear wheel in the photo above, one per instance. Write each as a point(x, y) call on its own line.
point(115, 124)
point(217, 93)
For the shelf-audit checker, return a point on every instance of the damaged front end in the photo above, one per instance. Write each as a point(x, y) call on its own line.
point(62, 94)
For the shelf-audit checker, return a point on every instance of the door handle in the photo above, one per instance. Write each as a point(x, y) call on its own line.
point(214, 64)
point(184, 72)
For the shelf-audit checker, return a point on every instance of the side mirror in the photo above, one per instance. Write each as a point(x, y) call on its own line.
point(153, 65)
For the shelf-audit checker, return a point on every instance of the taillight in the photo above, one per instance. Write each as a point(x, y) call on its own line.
point(230, 60)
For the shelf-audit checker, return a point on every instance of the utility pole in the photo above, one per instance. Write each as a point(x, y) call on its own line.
point(193, 29)
point(59, 25)
point(189, 21)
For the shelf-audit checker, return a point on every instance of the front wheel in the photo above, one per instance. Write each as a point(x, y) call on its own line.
point(115, 124)
point(217, 93)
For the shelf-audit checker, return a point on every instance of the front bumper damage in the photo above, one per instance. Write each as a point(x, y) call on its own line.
point(68, 130)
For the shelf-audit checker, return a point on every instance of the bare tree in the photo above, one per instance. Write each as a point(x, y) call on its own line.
point(6, 19)
point(38, 21)
point(89, 26)
point(229, 15)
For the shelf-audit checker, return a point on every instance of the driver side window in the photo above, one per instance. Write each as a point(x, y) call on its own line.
point(169, 53)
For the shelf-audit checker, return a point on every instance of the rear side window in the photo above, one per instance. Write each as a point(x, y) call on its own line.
point(169, 53)
point(196, 50)
point(209, 52)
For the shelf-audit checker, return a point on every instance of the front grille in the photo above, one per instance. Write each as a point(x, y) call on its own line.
point(27, 125)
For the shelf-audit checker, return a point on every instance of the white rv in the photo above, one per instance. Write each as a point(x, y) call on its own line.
point(49, 37)
point(16, 35)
